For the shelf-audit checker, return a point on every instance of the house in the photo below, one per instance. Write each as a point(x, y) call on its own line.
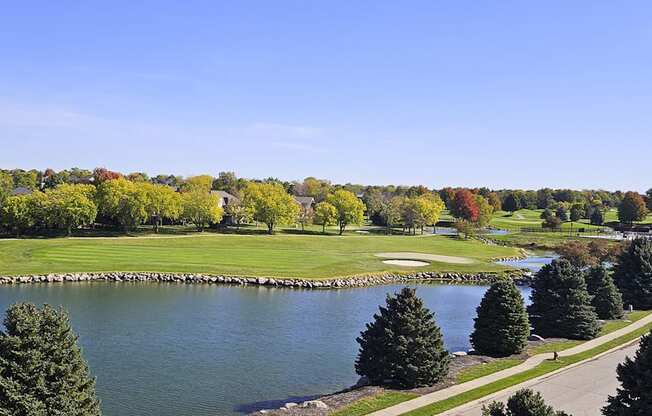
point(305, 202)
point(21, 191)
point(225, 198)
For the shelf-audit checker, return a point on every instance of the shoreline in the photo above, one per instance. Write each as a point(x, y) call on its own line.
point(356, 281)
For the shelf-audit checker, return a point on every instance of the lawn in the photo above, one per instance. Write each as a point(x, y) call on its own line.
point(304, 256)
point(374, 403)
point(528, 218)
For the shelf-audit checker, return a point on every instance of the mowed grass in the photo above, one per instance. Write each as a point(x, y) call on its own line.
point(374, 403)
point(248, 255)
point(527, 218)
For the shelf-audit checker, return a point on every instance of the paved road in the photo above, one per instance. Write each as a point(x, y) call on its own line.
point(580, 391)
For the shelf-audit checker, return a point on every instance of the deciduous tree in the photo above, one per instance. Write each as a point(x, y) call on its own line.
point(201, 208)
point(632, 208)
point(270, 204)
point(465, 206)
point(325, 215)
point(350, 210)
point(71, 206)
point(163, 202)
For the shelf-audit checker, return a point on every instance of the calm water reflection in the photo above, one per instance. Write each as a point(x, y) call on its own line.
point(171, 349)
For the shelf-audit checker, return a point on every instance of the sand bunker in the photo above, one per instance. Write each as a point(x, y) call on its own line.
point(426, 257)
point(406, 263)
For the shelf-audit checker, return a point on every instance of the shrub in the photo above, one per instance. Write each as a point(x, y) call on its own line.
point(524, 402)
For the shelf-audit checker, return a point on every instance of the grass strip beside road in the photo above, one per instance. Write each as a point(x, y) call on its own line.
point(374, 403)
point(540, 370)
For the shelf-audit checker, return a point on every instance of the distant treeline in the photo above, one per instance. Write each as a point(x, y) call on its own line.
point(128, 200)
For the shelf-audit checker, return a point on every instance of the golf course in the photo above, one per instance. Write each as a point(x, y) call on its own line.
point(303, 256)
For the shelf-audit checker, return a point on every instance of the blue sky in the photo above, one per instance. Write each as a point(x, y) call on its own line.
point(503, 94)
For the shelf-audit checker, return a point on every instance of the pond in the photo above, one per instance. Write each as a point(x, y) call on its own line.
point(174, 349)
point(534, 262)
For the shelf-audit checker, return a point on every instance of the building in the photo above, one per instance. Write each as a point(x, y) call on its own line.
point(21, 191)
point(305, 202)
point(225, 198)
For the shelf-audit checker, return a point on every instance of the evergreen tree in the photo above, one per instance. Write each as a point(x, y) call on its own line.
point(502, 326)
point(524, 402)
point(403, 344)
point(42, 372)
point(633, 274)
point(634, 397)
point(607, 300)
point(561, 305)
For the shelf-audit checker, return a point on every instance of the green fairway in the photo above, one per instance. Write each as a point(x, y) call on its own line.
point(248, 255)
point(528, 218)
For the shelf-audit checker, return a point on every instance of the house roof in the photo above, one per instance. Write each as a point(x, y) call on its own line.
point(224, 194)
point(304, 200)
point(21, 191)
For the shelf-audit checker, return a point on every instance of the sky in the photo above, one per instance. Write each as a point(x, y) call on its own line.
point(464, 93)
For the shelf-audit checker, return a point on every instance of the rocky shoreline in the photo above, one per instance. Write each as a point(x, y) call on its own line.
point(519, 276)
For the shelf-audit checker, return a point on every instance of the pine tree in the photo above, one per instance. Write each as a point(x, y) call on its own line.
point(607, 300)
point(633, 274)
point(502, 326)
point(42, 371)
point(634, 397)
point(524, 402)
point(403, 344)
point(561, 305)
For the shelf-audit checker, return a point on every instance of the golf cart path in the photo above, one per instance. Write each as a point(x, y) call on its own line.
point(528, 364)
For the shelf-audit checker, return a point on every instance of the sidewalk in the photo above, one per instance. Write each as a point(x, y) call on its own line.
point(530, 363)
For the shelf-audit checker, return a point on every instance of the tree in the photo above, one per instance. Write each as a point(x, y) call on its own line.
point(562, 213)
point(403, 344)
point(485, 211)
point(512, 203)
point(201, 182)
point(633, 274)
point(561, 304)
point(270, 204)
point(123, 201)
point(465, 228)
point(597, 217)
point(577, 253)
point(607, 300)
point(325, 215)
point(391, 212)
point(494, 201)
point(501, 327)
point(42, 371)
point(632, 208)
point(6, 185)
point(429, 206)
point(648, 195)
point(239, 213)
point(577, 212)
point(163, 202)
point(72, 206)
point(465, 206)
point(305, 217)
point(350, 210)
point(524, 402)
point(228, 182)
point(101, 175)
point(201, 208)
point(634, 397)
point(16, 214)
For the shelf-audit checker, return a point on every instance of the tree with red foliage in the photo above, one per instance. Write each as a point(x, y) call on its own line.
point(101, 175)
point(465, 206)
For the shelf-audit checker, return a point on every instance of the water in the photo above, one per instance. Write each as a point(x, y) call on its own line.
point(174, 349)
point(534, 262)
